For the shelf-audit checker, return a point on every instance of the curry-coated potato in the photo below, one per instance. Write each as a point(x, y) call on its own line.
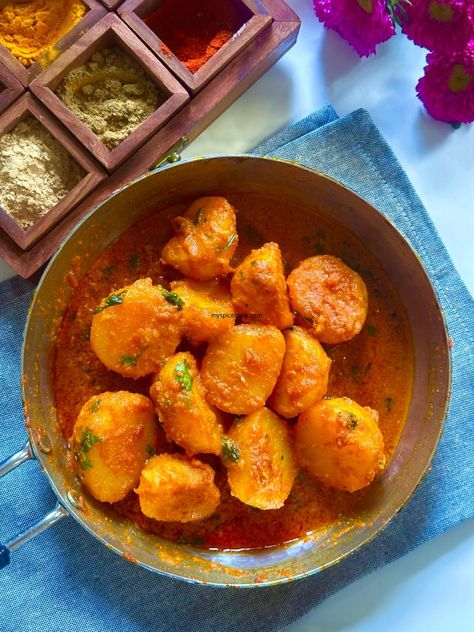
point(175, 489)
point(259, 287)
point(205, 239)
point(241, 367)
point(113, 436)
point(135, 329)
point(258, 455)
point(188, 420)
point(304, 374)
point(207, 310)
point(340, 443)
point(330, 297)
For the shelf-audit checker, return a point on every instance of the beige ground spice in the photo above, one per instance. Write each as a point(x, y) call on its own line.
point(111, 94)
point(36, 172)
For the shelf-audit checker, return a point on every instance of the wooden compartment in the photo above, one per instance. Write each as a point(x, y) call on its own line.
point(110, 31)
point(255, 18)
point(28, 106)
point(26, 75)
point(203, 108)
point(10, 88)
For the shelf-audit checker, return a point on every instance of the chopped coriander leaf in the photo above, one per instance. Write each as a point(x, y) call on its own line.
point(228, 244)
point(253, 262)
point(94, 407)
point(230, 450)
point(133, 262)
point(128, 360)
point(88, 440)
point(85, 462)
point(172, 298)
point(110, 301)
point(388, 404)
point(150, 451)
point(198, 217)
point(372, 330)
point(183, 375)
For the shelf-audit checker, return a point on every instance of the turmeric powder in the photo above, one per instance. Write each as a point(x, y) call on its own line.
point(29, 29)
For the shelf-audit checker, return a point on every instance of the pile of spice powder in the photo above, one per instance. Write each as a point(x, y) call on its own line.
point(36, 172)
point(111, 94)
point(31, 28)
point(194, 30)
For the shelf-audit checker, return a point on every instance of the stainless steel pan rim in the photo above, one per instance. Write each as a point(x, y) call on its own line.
point(68, 504)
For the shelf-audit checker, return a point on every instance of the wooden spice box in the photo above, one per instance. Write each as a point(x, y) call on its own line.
point(95, 10)
point(243, 67)
point(10, 88)
point(28, 106)
point(110, 31)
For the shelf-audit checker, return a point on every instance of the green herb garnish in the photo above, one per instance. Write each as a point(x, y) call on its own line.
point(230, 450)
point(183, 375)
point(88, 440)
point(128, 360)
point(94, 407)
point(110, 301)
point(388, 404)
point(372, 330)
point(172, 298)
point(228, 244)
point(133, 262)
point(150, 451)
point(198, 217)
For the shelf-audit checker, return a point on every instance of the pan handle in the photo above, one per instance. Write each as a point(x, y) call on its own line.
point(25, 454)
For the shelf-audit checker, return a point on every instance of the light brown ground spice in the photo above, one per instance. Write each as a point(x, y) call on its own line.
point(111, 94)
point(36, 172)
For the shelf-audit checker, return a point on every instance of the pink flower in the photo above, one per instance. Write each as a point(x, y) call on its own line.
point(438, 24)
point(447, 87)
point(363, 23)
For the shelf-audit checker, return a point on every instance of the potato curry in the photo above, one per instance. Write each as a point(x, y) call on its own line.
point(236, 383)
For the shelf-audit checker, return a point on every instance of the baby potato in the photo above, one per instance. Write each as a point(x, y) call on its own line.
point(135, 329)
point(258, 456)
point(113, 436)
point(340, 443)
point(304, 374)
point(241, 367)
point(188, 420)
point(329, 296)
point(205, 239)
point(259, 287)
point(207, 310)
point(175, 489)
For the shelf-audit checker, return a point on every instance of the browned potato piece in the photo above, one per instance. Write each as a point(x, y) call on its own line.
point(205, 241)
point(340, 443)
point(330, 297)
point(113, 436)
point(175, 489)
point(207, 310)
point(259, 287)
point(304, 374)
point(135, 329)
point(188, 420)
point(258, 455)
point(240, 368)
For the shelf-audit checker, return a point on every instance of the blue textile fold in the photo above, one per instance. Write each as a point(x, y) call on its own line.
point(65, 580)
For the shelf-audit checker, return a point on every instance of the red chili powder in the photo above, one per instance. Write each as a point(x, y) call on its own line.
point(194, 30)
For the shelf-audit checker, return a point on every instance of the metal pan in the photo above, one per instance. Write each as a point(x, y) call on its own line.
point(311, 191)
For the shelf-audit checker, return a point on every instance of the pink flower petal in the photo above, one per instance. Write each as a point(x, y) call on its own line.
point(363, 23)
point(447, 87)
point(438, 24)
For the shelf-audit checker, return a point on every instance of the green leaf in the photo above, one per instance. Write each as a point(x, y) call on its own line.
point(198, 217)
point(110, 301)
point(87, 442)
point(228, 244)
point(127, 360)
point(150, 451)
point(388, 404)
point(183, 375)
point(230, 450)
point(172, 298)
point(133, 262)
point(94, 407)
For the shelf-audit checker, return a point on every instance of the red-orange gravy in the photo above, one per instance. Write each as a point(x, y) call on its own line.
point(375, 368)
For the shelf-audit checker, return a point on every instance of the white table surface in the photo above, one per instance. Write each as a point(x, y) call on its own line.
point(432, 588)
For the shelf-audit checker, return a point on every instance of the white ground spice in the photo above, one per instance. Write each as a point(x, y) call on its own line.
point(111, 94)
point(36, 172)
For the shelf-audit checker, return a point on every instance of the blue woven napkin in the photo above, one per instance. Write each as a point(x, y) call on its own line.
point(65, 580)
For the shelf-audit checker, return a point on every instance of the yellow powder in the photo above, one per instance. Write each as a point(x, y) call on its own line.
point(30, 28)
